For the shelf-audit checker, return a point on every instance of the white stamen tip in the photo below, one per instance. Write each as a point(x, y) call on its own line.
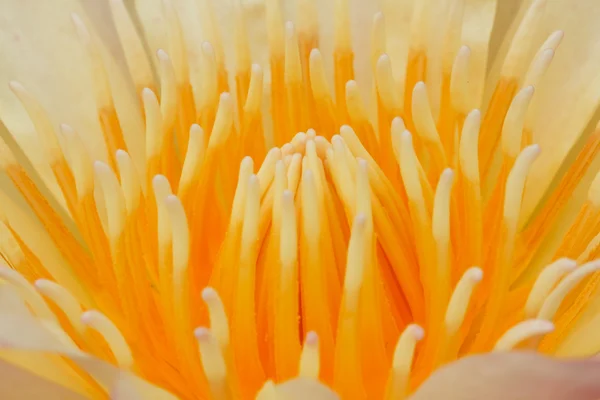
point(209, 293)
point(475, 274)
point(312, 338)
point(417, 332)
point(202, 333)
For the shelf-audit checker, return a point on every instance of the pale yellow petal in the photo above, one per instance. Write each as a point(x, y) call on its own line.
point(513, 376)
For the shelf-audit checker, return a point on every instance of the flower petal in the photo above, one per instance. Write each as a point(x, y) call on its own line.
point(513, 376)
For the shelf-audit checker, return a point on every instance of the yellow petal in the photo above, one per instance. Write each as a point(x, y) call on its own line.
point(513, 376)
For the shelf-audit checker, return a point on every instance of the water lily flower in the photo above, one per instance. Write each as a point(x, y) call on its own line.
point(265, 199)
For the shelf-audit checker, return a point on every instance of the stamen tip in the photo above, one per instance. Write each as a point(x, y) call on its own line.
point(360, 219)
point(100, 166)
point(383, 59)
point(162, 55)
point(475, 274)
point(464, 51)
point(417, 332)
point(209, 293)
point(202, 333)
point(447, 173)
point(546, 326)
point(312, 338)
point(41, 283)
point(288, 195)
point(362, 163)
point(66, 129)
point(256, 69)
point(315, 54)
point(16, 86)
point(88, 316)
point(475, 113)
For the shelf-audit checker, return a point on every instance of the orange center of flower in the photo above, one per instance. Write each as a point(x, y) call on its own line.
point(356, 238)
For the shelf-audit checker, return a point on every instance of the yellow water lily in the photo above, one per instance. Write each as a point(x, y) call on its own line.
point(287, 200)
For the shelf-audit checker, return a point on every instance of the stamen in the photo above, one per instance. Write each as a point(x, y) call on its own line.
point(113, 200)
point(555, 298)
point(154, 132)
point(285, 340)
point(168, 91)
point(213, 364)
point(78, 159)
point(113, 136)
point(209, 95)
point(276, 37)
point(359, 118)
point(162, 190)
point(176, 44)
point(309, 359)
point(130, 182)
point(385, 86)
point(135, 54)
point(64, 300)
point(253, 139)
point(470, 203)
point(398, 380)
point(343, 56)
point(317, 312)
point(211, 33)
point(441, 233)
point(111, 334)
point(423, 120)
point(243, 324)
point(521, 332)
point(194, 157)
point(325, 110)
point(545, 283)
point(296, 102)
point(100, 78)
point(538, 68)
point(515, 121)
point(347, 377)
point(218, 318)
point(43, 125)
point(501, 273)
point(516, 59)
point(459, 301)
point(242, 55)
point(459, 82)
point(28, 293)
